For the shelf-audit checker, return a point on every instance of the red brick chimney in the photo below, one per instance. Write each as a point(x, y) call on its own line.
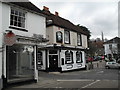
point(56, 13)
point(45, 8)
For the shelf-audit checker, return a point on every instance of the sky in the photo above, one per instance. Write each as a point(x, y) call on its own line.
point(97, 15)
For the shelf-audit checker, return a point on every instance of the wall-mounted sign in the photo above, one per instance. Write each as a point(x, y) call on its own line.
point(9, 38)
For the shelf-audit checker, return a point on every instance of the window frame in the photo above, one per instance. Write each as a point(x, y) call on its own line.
point(57, 40)
point(70, 61)
point(66, 41)
point(41, 58)
point(80, 57)
point(79, 39)
point(20, 16)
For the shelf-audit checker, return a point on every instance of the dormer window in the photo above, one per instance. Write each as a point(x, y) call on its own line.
point(59, 37)
point(17, 18)
point(67, 37)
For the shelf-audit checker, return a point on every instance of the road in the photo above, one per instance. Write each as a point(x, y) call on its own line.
point(98, 77)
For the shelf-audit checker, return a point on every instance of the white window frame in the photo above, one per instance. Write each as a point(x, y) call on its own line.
point(69, 58)
point(79, 57)
point(79, 39)
point(18, 17)
point(67, 37)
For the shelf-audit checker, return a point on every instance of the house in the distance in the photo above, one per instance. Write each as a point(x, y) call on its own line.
point(67, 44)
point(112, 47)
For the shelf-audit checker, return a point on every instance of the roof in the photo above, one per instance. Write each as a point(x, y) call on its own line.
point(114, 40)
point(28, 5)
point(64, 23)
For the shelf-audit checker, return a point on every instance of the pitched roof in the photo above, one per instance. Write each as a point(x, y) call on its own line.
point(114, 40)
point(64, 23)
point(28, 5)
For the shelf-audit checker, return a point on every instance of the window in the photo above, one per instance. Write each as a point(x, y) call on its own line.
point(79, 57)
point(59, 37)
point(79, 40)
point(67, 37)
point(17, 18)
point(40, 58)
point(68, 57)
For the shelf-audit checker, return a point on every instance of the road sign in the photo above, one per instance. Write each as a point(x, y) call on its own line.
point(9, 38)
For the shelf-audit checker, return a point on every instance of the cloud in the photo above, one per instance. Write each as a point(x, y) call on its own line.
point(96, 15)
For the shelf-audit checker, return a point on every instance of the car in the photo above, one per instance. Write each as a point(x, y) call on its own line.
point(112, 64)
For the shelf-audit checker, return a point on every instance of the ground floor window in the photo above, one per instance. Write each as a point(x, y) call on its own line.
point(68, 57)
point(20, 62)
point(40, 58)
point(79, 57)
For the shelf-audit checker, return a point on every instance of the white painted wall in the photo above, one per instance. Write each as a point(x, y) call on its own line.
point(35, 24)
point(107, 50)
point(84, 41)
point(75, 65)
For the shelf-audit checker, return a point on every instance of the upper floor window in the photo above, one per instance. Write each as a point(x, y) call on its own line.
point(79, 40)
point(59, 37)
point(17, 18)
point(67, 37)
point(79, 57)
point(68, 57)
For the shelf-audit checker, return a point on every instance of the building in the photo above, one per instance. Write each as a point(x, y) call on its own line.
point(112, 47)
point(67, 44)
point(22, 32)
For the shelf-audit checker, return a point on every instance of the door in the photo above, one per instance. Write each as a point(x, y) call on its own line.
point(53, 62)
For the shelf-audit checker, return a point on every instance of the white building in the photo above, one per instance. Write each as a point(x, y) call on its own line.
point(111, 47)
point(67, 44)
point(27, 23)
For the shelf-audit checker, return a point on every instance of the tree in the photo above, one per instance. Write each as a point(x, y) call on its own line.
point(85, 29)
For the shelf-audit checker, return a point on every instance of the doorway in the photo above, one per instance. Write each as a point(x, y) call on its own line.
point(53, 62)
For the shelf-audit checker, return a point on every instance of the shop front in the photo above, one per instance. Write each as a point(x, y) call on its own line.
point(20, 62)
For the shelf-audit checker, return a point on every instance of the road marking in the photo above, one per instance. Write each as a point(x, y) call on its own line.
point(100, 72)
point(91, 84)
point(70, 80)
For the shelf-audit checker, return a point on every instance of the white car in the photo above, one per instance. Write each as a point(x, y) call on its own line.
point(112, 64)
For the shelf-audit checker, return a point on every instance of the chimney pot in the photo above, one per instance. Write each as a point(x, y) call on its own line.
point(45, 8)
point(56, 13)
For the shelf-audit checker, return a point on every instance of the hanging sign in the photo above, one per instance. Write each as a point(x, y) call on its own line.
point(9, 38)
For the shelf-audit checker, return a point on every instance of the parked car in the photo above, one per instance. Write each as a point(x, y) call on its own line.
point(112, 64)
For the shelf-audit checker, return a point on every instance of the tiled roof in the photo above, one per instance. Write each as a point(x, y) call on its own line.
point(114, 40)
point(28, 5)
point(64, 23)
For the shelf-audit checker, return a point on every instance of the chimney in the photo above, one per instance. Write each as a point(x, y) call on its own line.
point(45, 8)
point(56, 13)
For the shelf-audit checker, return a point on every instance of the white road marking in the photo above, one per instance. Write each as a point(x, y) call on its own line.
point(75, 80)
point(100, 72)
point(91, 84)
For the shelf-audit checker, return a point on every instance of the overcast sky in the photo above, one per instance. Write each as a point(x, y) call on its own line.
point(97, 15)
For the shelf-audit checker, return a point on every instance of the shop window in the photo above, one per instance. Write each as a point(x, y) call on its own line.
point(79, 57)
point(20, 62)
point(68, 57)
point(79, 40)
point(17, 18)
point(67, 37)
point(40, 58)
point(59, 37)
